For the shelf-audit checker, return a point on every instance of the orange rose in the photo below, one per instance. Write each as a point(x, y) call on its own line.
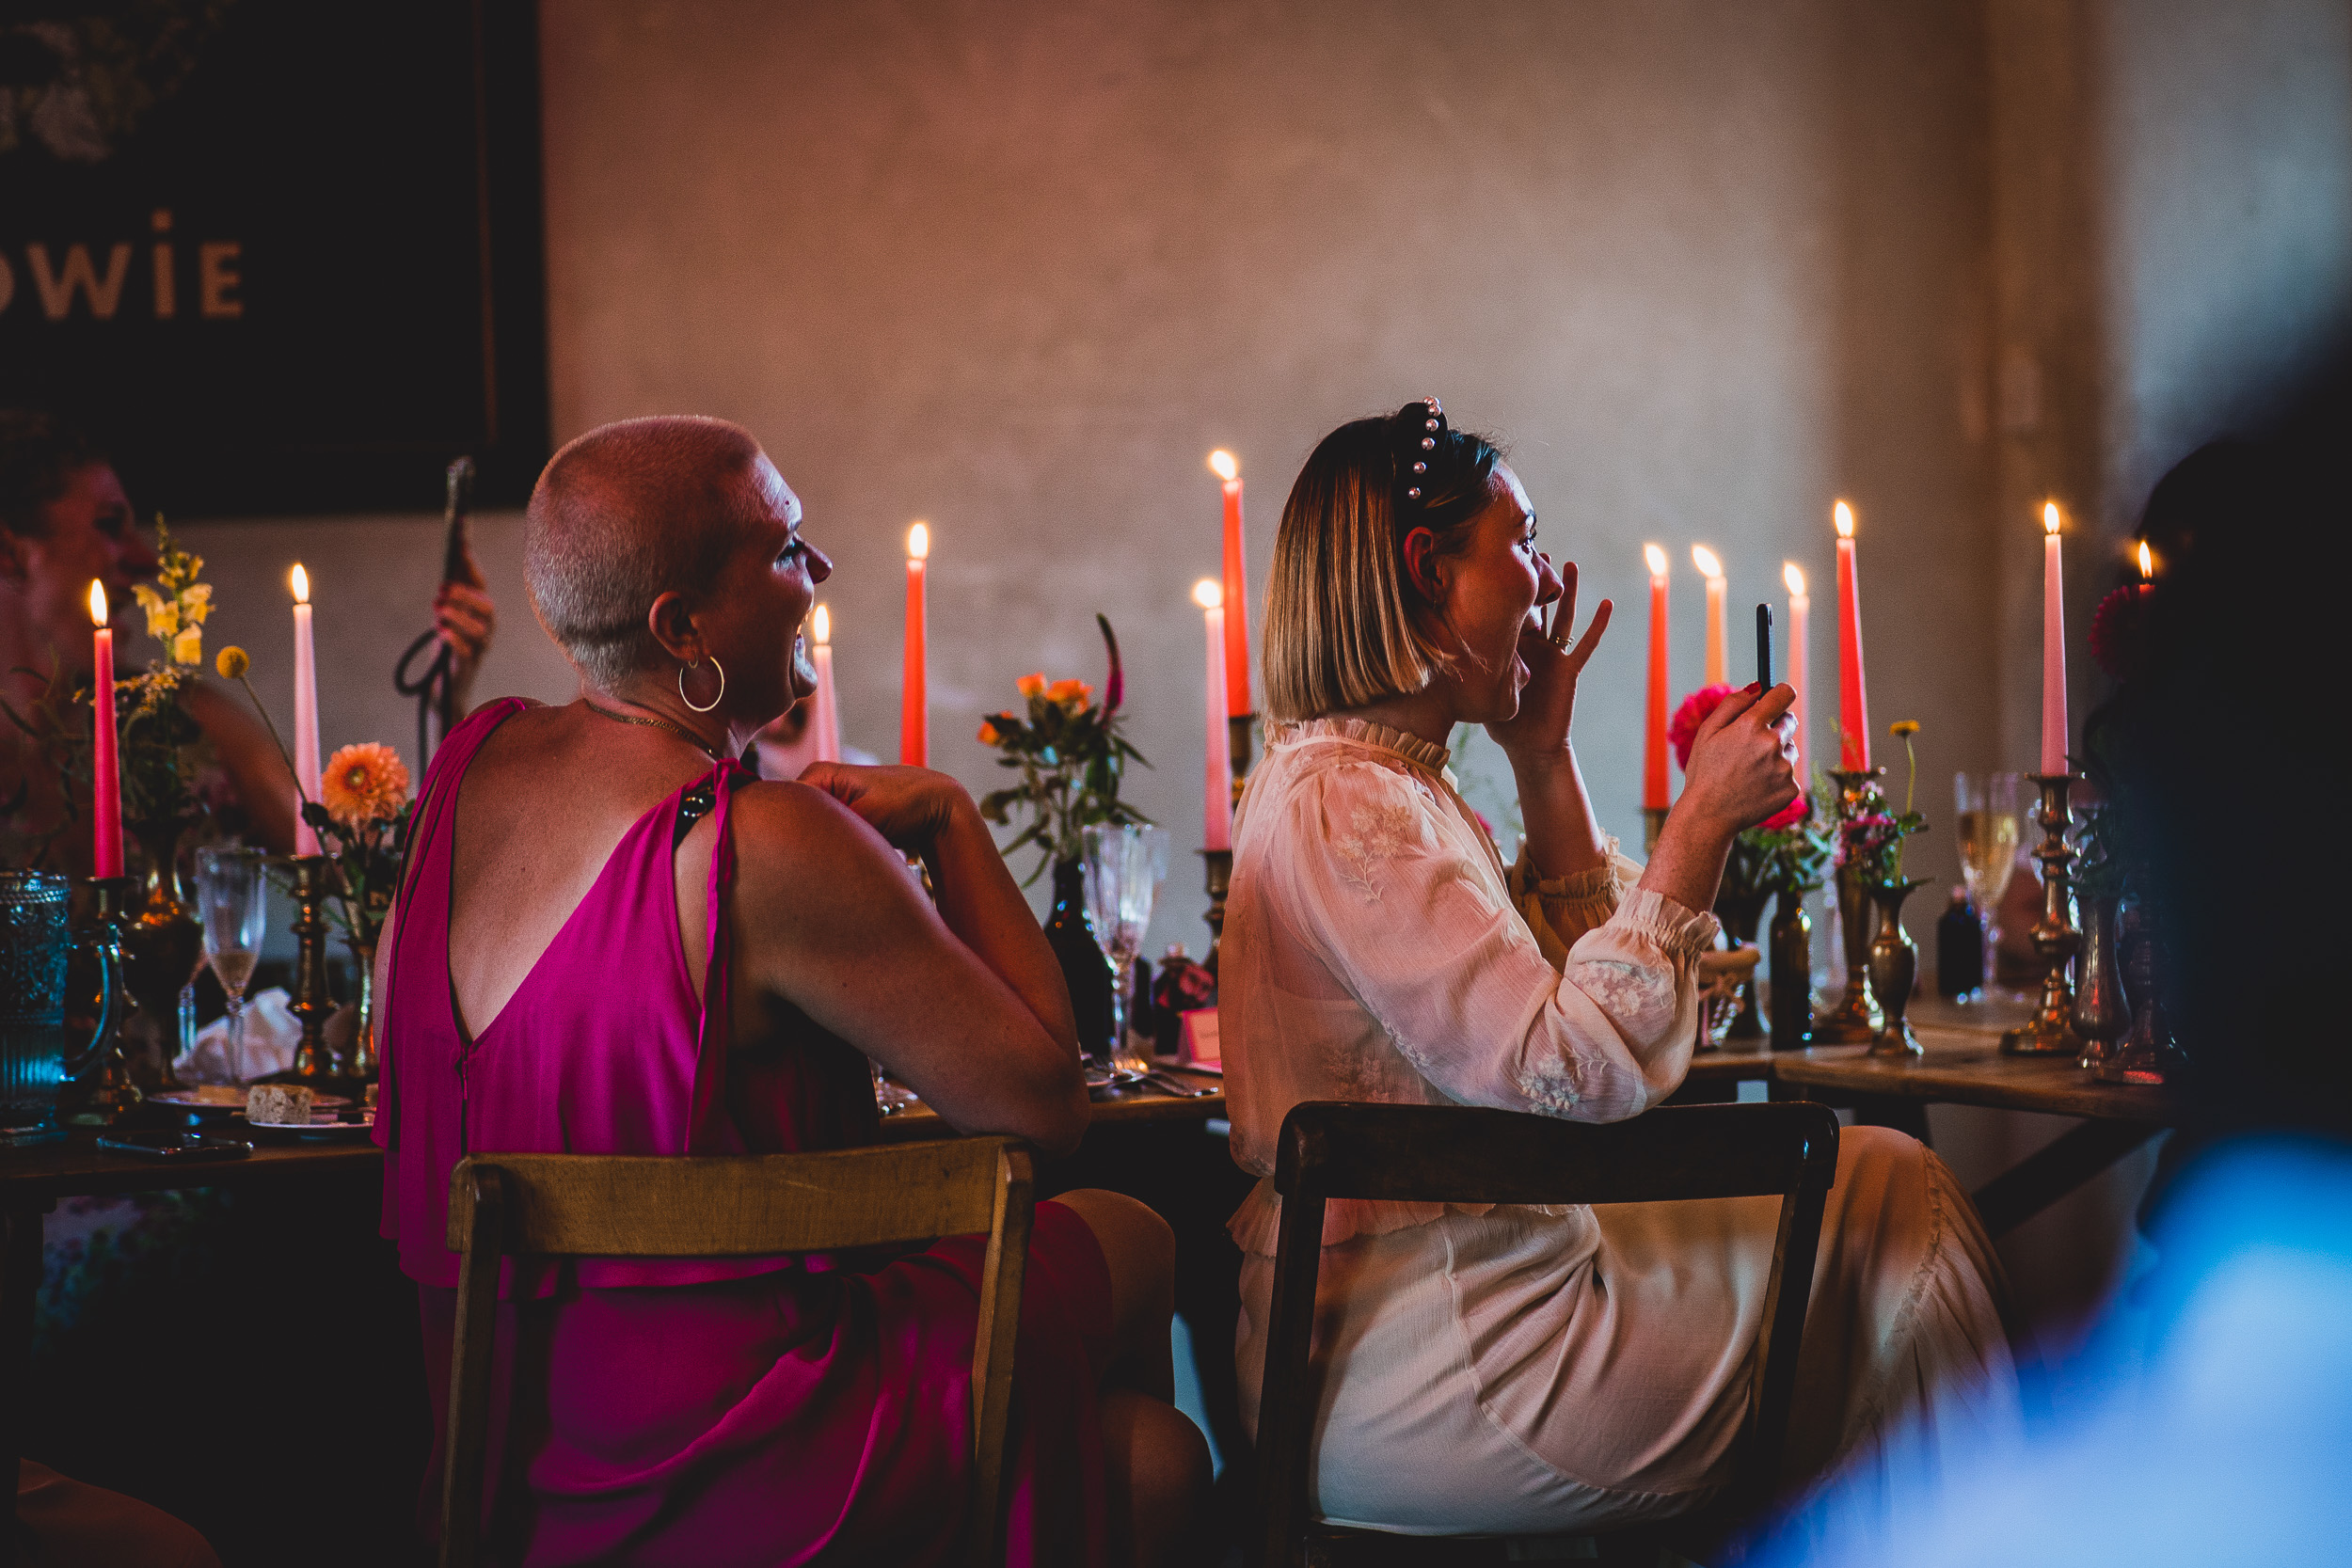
point(1072, 694)
point(363, 784)
point(988, 734)
point(1030, 686)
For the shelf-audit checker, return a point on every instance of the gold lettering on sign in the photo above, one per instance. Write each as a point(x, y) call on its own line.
point(166, 299)
point(217, 277)
point(56, 289)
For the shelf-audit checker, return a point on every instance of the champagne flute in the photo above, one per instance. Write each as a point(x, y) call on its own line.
point(1124, 867)
point(1990, 823)
point(233, 898)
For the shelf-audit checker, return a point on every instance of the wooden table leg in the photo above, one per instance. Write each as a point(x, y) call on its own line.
point(19, 1285)
point(2043, 1178)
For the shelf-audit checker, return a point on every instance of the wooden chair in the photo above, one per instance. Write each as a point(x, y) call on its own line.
point(619, 1206)
point(1442, 1153)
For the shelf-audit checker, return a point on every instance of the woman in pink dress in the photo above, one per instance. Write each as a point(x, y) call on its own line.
point(1521, 1369)
point(613, 939)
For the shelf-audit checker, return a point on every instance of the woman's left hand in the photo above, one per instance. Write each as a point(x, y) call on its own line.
point(909, 806)
point(1540, 730)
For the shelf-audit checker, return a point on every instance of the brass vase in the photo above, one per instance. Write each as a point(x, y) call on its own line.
point(1855, 1020)
point(162, 944)
point(1894, 965)
point(2100, 1016)
point(361, 1060)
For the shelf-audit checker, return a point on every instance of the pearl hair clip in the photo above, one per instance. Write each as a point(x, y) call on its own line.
point(1431, 426)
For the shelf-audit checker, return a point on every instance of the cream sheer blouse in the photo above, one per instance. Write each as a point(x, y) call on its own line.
point(1375, 948)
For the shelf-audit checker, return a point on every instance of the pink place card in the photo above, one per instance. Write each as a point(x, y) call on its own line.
point(1199, 1045)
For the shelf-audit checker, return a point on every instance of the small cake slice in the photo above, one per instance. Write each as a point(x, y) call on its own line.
point(277, 1105)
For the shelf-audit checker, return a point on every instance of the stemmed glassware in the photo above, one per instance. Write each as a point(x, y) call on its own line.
point(232, 900)
point(1124, 867)
point(1989, 809)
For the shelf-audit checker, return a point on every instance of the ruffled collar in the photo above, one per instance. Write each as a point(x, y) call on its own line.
point(1412, 747)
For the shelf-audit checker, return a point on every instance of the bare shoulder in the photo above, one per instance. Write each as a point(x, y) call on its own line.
point(796, 838)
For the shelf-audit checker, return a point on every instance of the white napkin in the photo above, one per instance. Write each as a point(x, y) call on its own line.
point(271, 1033)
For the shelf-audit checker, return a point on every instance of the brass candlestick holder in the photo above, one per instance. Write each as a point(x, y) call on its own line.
point(2055, 938)
point(1217, 864)
point(1855, 1020)
point(106, 1092)
point(311, 1001)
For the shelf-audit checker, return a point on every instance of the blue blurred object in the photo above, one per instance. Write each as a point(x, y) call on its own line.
point(2215, 1426)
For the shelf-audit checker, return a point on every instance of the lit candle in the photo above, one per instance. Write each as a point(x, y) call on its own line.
point(1712, 570)
point(1853, 702)
point(306, 736)
point(828, 715)
point(1653, 708)
point(2053, 646)
point(1235, 587)
point(1217, 805)
point(1800, 612)
point(107, 781)
point(915, 724)
point(2147, 570)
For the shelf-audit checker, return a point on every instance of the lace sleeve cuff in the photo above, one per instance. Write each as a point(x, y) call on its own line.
point(1680, 934)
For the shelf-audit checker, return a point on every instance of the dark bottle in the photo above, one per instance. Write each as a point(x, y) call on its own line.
point(1959, 949)
point(1791, 940)
point(1084, 969)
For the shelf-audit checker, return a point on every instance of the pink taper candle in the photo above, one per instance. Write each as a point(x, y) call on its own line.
point(1217, 804)
point(1711, 569)
point(1654, 781)
point(306, 734)
point(828, 715)
point(106, 769)
point(1853, 701)
point(914, 721)
point(2053, 646)
point(1235, 587)
point(1800, 615)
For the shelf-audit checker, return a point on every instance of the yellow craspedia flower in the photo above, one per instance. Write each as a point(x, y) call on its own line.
point(187, 647)
point(362, 783)
point(988, 734)
point(233, 663)
point(1031, 686)
point(1072, 694)
point(1903, 727)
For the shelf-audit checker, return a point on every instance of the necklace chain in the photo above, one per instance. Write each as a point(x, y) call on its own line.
point(657, 723)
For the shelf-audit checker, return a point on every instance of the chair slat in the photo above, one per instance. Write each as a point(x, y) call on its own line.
point(746, 1206)
point(1439, 1153)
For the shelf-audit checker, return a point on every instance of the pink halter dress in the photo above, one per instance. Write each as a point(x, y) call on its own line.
point(762, 1411)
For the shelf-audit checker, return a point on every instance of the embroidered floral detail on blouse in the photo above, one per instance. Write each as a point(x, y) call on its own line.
point(1378, 831)
point(1629, 993)
point(1549, 1083)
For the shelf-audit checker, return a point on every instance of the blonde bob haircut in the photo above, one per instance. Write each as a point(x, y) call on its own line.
point(1345, 624)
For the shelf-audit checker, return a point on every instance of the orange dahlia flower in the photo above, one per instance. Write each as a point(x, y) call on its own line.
point(1031, 686)
point(366, 782)
point(1072, 694)
point(988, 734)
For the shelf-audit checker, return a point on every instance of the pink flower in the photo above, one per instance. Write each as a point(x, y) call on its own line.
point(1788, 815)
point(1684, 728)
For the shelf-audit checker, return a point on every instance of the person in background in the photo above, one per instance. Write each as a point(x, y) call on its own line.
point(1505, 1370)
point(64, 520)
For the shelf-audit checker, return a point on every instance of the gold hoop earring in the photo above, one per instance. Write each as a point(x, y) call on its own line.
point(704, 707)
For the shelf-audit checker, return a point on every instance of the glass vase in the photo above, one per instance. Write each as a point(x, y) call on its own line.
point(1071, 935)
point(1894, 965)
point(1791, 938)
point(1854, 1020)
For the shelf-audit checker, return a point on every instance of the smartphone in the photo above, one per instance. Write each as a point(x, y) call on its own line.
point(184, 1147)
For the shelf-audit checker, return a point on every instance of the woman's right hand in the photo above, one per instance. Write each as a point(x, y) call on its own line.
point(909, 806)
point(1741, 771)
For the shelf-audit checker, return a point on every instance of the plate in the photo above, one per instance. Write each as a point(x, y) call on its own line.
point(318, 1131)
point(1101, 1080)
point(220, 1098)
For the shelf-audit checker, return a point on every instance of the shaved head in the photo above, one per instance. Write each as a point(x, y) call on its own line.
point(626, 513)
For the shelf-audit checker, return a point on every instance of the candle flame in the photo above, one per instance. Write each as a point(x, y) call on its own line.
point(1793, 578)
point(919, 542)
point(97, 603)
point(2147, 563)
point(1225, 464)
point(820, 624)
point(1656, 558)
point(1844, 515)
point(1710, 565)
point(301, 580)
point(2049, 517)
point(1208, 592)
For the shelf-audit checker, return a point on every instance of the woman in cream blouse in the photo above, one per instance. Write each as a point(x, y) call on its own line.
point(1523, 1370)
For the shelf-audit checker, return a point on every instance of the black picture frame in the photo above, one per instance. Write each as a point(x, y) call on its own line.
point(282, 257)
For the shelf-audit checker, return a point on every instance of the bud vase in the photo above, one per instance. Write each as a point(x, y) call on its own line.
point(1792, 974)
point(1854, 1020)
point(1894, 971)
point(2100, 1016)
point(361, 1063)
point(162, 945)
point(1739, 916)
point(1088, 974)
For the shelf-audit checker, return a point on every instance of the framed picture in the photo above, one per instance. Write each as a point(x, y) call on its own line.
point(280, 256)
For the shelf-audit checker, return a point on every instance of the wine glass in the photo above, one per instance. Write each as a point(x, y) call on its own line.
point(1990, 823)
point(232, 898)
point(1124, 867)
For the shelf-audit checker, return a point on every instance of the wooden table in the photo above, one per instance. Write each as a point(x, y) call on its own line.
point(1136, 1102)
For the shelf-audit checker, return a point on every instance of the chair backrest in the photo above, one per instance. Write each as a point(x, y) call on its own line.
point(748, 1206)
point(1464, 1154)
